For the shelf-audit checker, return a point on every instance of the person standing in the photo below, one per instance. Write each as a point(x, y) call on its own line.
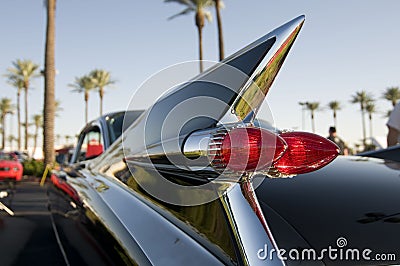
point(338, 141)
point(393, 125)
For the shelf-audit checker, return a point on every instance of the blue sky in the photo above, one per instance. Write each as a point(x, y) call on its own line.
point(344, 47)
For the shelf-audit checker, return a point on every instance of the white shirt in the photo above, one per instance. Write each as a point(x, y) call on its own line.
point(394, 118)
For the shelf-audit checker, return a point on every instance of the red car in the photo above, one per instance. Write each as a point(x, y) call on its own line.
point(10, 167)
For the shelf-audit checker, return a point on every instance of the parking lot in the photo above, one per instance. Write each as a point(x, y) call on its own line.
point(27, 238)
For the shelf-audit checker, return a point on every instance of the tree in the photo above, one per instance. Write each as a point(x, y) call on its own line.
point(84, 85)
point(101, 79)
point(11, 139)
point(218, 6)
point(58, 108)
point(392, 94)
point(67, 139)
point(18, 83)
point(370, 108)
point(362, 97)
point(21, 73)
point(38, 123)
point(334, 106)
point(58, 138)
point(49, 85)
point(312, 107)
point(201, 14)
point(5, 108)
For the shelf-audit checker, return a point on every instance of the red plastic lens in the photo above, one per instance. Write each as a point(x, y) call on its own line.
point(250, 149)
point(306, 152)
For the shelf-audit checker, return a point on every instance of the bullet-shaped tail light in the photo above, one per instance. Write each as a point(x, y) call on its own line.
point(306, 152)
point(248, 149)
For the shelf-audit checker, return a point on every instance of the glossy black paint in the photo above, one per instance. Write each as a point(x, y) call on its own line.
point(390, 153)
point(85, 238)
point(206, 223)
point(93, 232)
point(353, 197)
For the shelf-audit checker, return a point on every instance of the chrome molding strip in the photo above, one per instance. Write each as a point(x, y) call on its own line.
point(257, 87)
point(249, 232)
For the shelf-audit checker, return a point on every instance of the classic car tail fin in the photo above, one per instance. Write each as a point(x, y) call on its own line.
point(228, 94)
point(231, 91)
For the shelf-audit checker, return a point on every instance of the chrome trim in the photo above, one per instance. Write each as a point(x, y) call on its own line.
point(197, 144)
point(256, 88)
point(248, 229)
point(214, 149)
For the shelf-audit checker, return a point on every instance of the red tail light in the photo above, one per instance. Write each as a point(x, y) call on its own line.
point(306, 152)
point(254, 149)
point(247, 149)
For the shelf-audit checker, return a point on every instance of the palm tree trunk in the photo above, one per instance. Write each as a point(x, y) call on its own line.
point(334, 119)
point(11, 143)
point(49, 85)
point(200, 32)
point(200, 25)
point(3, 131)
point(220, 34)
point(86, 106)
point(19, 117)
point(101, 93)
point(312, 122)
point(35, 141)
point(26, 120)
point(363, 126)
point(370, 126)
point(86, 111)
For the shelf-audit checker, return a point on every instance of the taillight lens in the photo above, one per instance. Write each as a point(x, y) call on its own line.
point(244, 149)
point(237, 149)
point(306, 152)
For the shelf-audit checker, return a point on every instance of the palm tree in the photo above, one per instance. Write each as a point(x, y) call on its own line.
point(83, 84)
point(38, 123)
point(67, 138)
point(49, 109)
point(370, 108)
point(23, 71)
point(392, 94)
point(31, 136)
point(218, 6)
point(18, 83)
point(5, 108)
point(312, 106)
point(334, 106)
point(58, 138)
point(58, 108)
point(362, 97)
point(201, 14)
point(101, 79)
point(11, 139)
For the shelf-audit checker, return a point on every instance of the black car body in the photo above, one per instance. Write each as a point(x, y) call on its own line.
point(114, 206)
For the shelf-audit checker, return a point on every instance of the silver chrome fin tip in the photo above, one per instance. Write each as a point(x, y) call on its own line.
point(282, 30)
point(268, 60)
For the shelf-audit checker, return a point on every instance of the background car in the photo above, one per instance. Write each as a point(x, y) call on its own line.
point(10, 168)
point(22, 156)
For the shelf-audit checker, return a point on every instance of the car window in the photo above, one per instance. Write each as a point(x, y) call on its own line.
point(91, 146)
point(116, 124)
point(6, 156)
